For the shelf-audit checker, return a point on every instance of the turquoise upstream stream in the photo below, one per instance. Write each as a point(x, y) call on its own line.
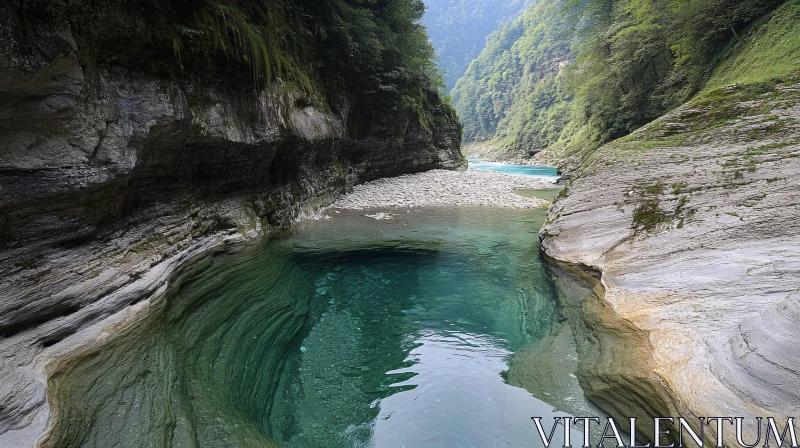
point(547, 172)
point(348, 332)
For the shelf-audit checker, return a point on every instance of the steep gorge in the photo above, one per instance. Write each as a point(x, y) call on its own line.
point(114, 171)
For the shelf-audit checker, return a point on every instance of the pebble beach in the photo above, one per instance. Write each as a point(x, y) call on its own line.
point(445, 188)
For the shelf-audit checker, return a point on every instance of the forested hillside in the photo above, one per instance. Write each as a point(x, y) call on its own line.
point(458, 29)
point(629, 61)
point(514, 92)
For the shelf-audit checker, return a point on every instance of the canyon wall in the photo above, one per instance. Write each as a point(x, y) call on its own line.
point(692, 222)
point(113, 175)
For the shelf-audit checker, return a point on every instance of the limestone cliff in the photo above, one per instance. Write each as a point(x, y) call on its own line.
point(693, 222)
point(112, 174)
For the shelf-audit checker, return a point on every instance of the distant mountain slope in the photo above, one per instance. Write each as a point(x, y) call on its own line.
point(570, 75)
point(458, 29)
point(515, 91)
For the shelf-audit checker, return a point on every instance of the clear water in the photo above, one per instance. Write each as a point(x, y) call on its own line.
point(348, 332)
point(544, 171)
point(412, 324)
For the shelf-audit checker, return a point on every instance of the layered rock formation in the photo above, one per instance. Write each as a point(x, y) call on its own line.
point(111, 177)
point(692, 222)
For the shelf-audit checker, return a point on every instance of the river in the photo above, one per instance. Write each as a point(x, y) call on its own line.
point(545, 172)
point(438, 328)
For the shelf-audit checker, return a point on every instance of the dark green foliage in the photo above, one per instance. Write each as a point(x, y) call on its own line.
point(767, 49)
point(644, 57)
point(678, 187)
point(648, 215)
point(255, 33)
point(379, 51)
point(651, 213)
point(760, 88)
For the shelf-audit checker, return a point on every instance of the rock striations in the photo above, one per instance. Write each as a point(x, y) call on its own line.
point(110, 178)
point(693, 223)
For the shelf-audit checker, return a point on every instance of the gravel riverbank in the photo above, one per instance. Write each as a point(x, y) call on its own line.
point(442, 187)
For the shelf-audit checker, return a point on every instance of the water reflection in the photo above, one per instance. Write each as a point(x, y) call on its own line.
point(347, 332)
point(460, 400)
point(410, 330)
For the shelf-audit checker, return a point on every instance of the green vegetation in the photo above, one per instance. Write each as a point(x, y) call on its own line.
point(458, 29)
point(654, 189)
point(644, 57)
point(515, 91)
point(767, 49)
point(629, 62)
point(649, 214)
point(679, 187)
point(257, 34)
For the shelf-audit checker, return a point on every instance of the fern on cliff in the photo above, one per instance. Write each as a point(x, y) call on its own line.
point(258, 34)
